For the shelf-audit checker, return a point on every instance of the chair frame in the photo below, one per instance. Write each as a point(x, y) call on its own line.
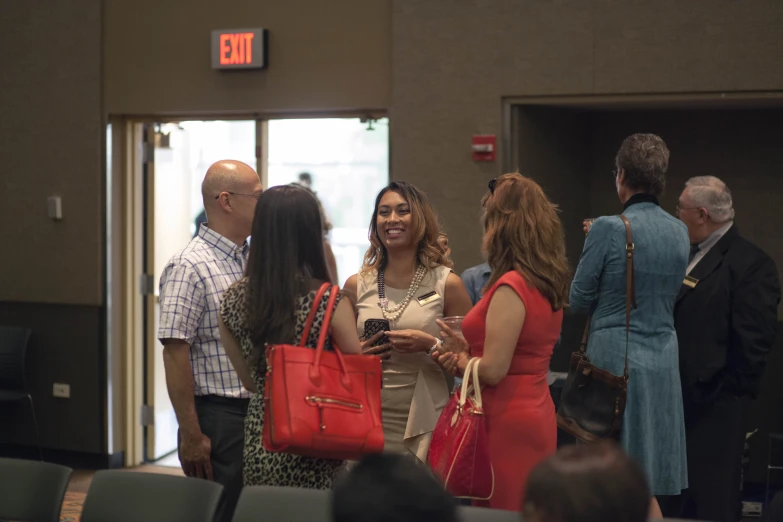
point(26, 333)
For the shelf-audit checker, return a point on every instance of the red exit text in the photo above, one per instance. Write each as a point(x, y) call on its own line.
point(236, 48)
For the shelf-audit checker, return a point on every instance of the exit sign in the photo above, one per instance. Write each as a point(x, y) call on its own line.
point(239, 49)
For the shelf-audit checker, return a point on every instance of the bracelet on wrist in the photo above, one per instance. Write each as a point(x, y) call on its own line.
point(435, 346)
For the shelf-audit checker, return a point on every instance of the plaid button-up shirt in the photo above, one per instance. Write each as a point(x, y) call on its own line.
point(191, 289)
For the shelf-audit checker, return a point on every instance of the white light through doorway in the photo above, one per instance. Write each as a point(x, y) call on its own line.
point(349, 165)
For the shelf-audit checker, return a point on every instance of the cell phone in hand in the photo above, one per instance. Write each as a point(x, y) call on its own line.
point(373, 326)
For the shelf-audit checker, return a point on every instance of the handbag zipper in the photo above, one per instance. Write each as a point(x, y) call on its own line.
point(320, 402)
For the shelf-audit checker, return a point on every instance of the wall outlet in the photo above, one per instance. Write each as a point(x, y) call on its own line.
point(61, 390)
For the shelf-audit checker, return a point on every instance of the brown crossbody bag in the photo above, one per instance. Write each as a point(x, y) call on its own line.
point(592, 403)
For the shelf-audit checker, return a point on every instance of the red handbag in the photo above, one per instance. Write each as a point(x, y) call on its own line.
point(318, 403)
point(459, 450)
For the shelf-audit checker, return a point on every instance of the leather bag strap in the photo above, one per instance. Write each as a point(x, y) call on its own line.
point(630, 293)
point(311, 316)
point(630, 287)
point(325, 332)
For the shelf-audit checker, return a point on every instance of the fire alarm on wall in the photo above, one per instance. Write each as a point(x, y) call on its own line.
point(484, 147)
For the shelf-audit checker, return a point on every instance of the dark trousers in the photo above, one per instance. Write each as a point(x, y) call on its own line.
point(223, 421)
point(715, 439)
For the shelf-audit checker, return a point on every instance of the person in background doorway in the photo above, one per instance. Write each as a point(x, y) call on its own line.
point(594, 482)
point(305, 180)
point(331, 260)
point(206, 392)
point(726, 321)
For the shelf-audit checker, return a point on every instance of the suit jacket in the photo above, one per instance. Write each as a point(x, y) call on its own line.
point(727, 323)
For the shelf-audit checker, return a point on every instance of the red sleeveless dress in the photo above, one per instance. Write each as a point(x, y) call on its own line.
point(520, 414)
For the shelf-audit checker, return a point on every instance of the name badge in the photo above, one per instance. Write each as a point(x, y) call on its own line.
point(690, 282)
point(428, 298)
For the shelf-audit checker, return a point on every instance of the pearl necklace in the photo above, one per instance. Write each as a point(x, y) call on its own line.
point(393, 313)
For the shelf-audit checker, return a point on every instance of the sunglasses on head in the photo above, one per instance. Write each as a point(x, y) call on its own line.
point(491, 185)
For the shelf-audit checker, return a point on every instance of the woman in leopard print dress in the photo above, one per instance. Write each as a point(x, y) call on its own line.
point(270, 305)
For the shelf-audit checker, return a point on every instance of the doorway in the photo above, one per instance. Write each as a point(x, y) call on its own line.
point(181, 154)
point(346, 161)
point(569, 147)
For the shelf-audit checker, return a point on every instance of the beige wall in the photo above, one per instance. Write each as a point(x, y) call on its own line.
point(322, 56)
point(50, 144)
point(453, 62)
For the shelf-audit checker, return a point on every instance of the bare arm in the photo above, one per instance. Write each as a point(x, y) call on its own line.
point(505, 319)
point(234, 353)
point(179, 381)
point(182, 306)
point(350, 289)
point(344, 328)
point(195, 447)
point(456, 298)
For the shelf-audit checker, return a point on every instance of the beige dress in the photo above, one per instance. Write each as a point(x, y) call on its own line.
point(414, 387)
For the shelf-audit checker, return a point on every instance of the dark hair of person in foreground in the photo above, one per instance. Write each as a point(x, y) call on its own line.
point(596, 482)
point(391, 488)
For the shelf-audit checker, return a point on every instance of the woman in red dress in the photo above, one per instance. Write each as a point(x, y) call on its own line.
point(513, 329)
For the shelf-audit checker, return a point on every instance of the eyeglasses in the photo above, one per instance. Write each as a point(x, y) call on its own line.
point(491, 185)
point(678, 209)
point(240, 194)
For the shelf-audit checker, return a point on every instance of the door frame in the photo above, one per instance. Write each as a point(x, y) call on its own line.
point(672, 100)
point(126, 243)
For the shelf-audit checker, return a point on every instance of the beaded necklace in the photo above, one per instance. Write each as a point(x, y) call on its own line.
point(393, 313)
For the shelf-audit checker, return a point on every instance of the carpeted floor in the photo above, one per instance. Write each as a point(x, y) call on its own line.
point(80, 483)
point(72, 507)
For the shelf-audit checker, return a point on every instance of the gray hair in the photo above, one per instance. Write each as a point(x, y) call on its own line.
point(712, 194)
point(644, 158)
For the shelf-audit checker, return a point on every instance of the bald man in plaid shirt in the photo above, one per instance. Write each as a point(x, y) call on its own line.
point(206, 393)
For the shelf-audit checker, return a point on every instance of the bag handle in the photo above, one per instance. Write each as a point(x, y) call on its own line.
point(630, 293)
point(315, 368)
point(311, 316)
point(471, 371)
point(463, 393)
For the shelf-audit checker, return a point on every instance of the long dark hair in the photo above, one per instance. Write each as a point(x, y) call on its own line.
point(425, 227)
point(286, 260)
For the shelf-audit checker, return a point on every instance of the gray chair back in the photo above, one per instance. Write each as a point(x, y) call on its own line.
point(476, 514)
point(32, 491)
point(258, 503)
point(129, 496)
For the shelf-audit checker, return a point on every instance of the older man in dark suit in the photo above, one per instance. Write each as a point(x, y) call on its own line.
point(726, 321)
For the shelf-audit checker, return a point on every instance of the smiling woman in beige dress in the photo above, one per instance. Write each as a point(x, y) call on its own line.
point(406, 280)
